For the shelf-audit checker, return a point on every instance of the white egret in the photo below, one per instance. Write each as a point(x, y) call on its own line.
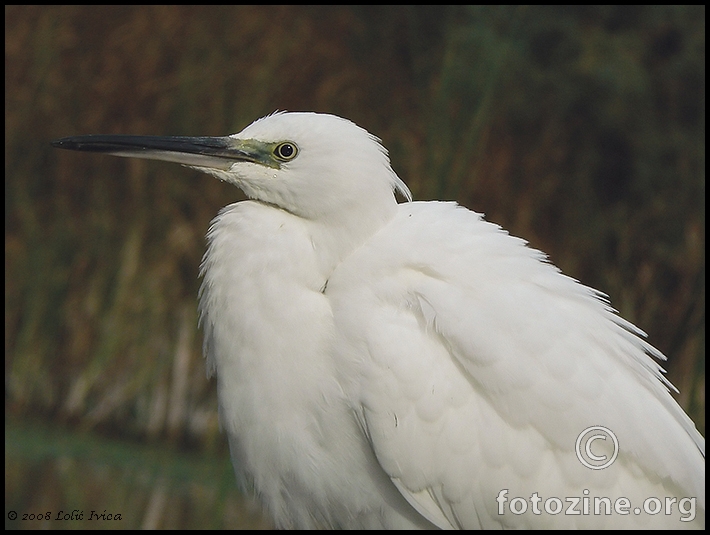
point(412, 365)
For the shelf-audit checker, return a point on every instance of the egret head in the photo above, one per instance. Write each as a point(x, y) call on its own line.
point(312, 165)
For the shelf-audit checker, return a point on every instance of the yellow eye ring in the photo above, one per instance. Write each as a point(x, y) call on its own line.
point(285, 151)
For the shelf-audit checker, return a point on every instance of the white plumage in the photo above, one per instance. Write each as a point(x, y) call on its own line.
point(400, 365)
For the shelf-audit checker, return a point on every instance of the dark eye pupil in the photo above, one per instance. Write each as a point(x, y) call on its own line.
point(286, 150)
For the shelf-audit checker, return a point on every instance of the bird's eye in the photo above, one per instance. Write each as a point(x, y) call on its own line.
point(285, 151)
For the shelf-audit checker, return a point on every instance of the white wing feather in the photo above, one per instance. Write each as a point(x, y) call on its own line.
point(474, 365)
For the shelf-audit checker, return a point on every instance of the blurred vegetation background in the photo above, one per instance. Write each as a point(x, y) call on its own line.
point(581, 129)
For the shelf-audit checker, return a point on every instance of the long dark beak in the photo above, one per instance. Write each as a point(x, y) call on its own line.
point(206, 152)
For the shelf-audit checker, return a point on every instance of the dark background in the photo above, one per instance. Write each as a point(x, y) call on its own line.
point(581, 129)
